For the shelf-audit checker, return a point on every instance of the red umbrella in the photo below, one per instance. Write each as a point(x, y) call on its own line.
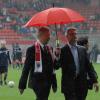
point(55, 16)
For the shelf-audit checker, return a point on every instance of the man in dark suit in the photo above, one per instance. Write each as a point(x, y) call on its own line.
point(83, 41)
point(40, 75)
point(75, 65)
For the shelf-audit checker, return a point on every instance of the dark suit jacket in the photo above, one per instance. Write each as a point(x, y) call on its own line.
point(67, 64)
point(4, 57)
point(29, 66)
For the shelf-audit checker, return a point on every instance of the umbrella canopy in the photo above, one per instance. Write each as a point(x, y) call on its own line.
point(55, 16)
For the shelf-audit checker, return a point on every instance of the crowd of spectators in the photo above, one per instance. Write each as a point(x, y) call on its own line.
point(15, 13)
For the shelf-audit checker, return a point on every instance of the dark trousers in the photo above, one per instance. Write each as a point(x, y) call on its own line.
point(78, 93)
point(42, 90)
point(76, 96)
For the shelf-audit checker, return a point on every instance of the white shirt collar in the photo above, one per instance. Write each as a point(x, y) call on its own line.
point(70, 46)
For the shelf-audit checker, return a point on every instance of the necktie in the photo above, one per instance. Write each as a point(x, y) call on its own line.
point(45, 49)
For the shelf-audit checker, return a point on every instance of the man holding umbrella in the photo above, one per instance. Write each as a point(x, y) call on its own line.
point(75, 66)
point(39, 66)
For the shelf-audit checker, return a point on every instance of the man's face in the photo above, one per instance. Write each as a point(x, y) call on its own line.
point(45, 37)
point(72, 37)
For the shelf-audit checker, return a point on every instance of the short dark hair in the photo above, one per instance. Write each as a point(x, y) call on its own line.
point(43, 29)
point(82, 41)
point(70, 30)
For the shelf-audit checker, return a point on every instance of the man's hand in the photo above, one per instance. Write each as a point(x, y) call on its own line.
point(57, 53)
point(21, 91)
point(96, 87)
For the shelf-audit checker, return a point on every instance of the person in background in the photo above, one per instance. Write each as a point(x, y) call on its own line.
point(94, 53)
point(4, 62)
point(17, 56)
point(83, 41)
point(39, 66)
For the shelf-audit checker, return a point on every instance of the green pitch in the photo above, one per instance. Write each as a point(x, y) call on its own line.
point(7, 93)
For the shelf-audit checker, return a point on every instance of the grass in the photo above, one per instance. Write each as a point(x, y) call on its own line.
point(7, 93)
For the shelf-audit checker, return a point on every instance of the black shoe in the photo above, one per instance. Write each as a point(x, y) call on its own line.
point(5, 82)
point(1, 83)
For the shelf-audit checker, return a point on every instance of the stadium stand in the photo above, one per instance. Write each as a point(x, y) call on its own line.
point(15, 13)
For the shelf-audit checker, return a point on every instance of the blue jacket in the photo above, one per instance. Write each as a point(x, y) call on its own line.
point(4, 57)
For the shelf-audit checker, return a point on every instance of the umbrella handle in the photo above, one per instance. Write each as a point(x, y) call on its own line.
point(57, 43)
point(57, 40)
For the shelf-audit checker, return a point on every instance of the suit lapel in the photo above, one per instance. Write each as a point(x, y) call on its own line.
point(79, 57)
point(70, 53)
